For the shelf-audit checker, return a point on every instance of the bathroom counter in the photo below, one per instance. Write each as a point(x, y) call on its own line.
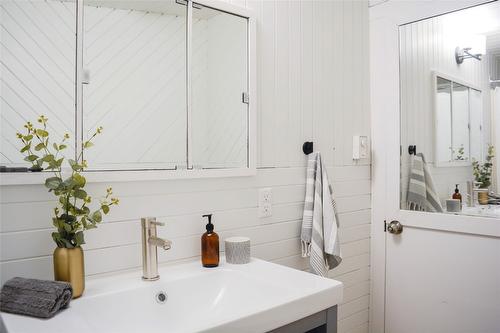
point(480, 210)
point(255, 297)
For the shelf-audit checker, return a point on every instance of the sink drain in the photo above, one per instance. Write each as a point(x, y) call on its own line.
point(161, 297)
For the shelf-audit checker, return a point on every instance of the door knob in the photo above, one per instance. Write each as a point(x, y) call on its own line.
point(394, 227)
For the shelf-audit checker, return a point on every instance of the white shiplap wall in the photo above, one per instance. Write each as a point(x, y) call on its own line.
point(312, 85)
point(426, 46)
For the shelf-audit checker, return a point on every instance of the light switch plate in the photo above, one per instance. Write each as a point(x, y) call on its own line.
point(360, 147)
point(363, 147)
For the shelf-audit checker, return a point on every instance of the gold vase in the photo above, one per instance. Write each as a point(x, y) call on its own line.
point(482, 197)
point(68, 267)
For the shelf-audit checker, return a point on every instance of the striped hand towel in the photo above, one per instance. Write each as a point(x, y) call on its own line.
point(319, 234)
point(422, 193)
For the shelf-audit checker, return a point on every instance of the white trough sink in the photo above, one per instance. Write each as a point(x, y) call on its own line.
point(256, 297)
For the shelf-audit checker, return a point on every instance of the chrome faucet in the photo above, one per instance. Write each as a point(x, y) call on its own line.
point(150, 243)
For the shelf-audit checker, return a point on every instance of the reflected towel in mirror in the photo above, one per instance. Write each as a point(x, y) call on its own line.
point(422, 195)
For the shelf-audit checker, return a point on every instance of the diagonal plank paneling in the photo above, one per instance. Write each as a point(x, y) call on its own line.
point(37, 67)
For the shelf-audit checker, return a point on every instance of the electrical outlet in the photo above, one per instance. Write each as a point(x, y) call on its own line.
point(266, 211)
point(265, 202)
point(266, 196)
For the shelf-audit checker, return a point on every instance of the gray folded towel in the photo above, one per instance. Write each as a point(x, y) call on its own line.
point(36, 298)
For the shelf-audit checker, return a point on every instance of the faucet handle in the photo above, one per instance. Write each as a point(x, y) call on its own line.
point(160, 224)
point(148, 222)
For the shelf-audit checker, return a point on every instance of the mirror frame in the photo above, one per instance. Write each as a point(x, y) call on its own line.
point(150, 175)
point(435, 75)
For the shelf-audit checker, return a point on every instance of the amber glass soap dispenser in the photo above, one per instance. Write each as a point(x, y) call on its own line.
point(457, 194)
point(210, 245)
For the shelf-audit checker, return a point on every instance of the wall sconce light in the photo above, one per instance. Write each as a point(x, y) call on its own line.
point(464, 53)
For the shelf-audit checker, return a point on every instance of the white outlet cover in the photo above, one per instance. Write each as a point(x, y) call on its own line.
point(266, 195)
point(265, 202)
point(266, 211)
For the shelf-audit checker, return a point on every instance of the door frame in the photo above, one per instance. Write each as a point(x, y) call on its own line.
point(385, 19)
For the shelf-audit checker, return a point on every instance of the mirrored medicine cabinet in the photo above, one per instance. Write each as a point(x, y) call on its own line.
point(172, 83)
point(458, 121)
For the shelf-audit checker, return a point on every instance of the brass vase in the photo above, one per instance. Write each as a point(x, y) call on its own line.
point(68, 267)
point(482, 197)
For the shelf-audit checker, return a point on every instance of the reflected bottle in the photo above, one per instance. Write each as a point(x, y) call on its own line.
point(457, 194)
point(209, 245)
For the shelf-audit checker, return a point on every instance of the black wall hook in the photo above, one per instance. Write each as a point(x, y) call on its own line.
point(307, 147)
point(412, 150)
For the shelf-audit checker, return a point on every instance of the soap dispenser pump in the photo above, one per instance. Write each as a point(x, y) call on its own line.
point(209, 245)
point(457, 194)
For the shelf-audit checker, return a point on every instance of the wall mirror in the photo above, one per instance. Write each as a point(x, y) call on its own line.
point(220, 89)
point(172, 82)
point(37, 71)
point(450, 111)
point(458, 122)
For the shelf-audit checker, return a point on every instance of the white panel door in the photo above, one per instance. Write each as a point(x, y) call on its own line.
point(441, 281)
point(441, 274)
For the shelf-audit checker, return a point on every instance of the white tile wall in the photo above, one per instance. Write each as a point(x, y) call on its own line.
point(312, 85)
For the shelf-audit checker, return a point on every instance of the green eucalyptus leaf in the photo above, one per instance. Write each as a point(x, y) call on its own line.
point(80, 194)
point(39, 146)
point(83, 221)
point(42, 133)
point(87, 144)
point(74, 165)
point(97, 216)
point(61, 147)
point(48, 158)
point(56, 147)
point(69, 183)
point(28, 137)
point(31, 158)
point(53, 165)
point(105, 209)
point(79, 180)
point(26, 148)
point(59, 223)
point(55, 222)
point(68, 218)
point(67, 244)
point(53, 182)
point(57, 239)
point(79, 238)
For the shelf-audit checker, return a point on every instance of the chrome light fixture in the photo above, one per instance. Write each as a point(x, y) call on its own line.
point(464, 53)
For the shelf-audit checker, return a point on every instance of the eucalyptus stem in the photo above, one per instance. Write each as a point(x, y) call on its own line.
point(77, 216)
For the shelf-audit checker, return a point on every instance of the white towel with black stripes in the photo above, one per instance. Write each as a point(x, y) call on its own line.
point(319, 234)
